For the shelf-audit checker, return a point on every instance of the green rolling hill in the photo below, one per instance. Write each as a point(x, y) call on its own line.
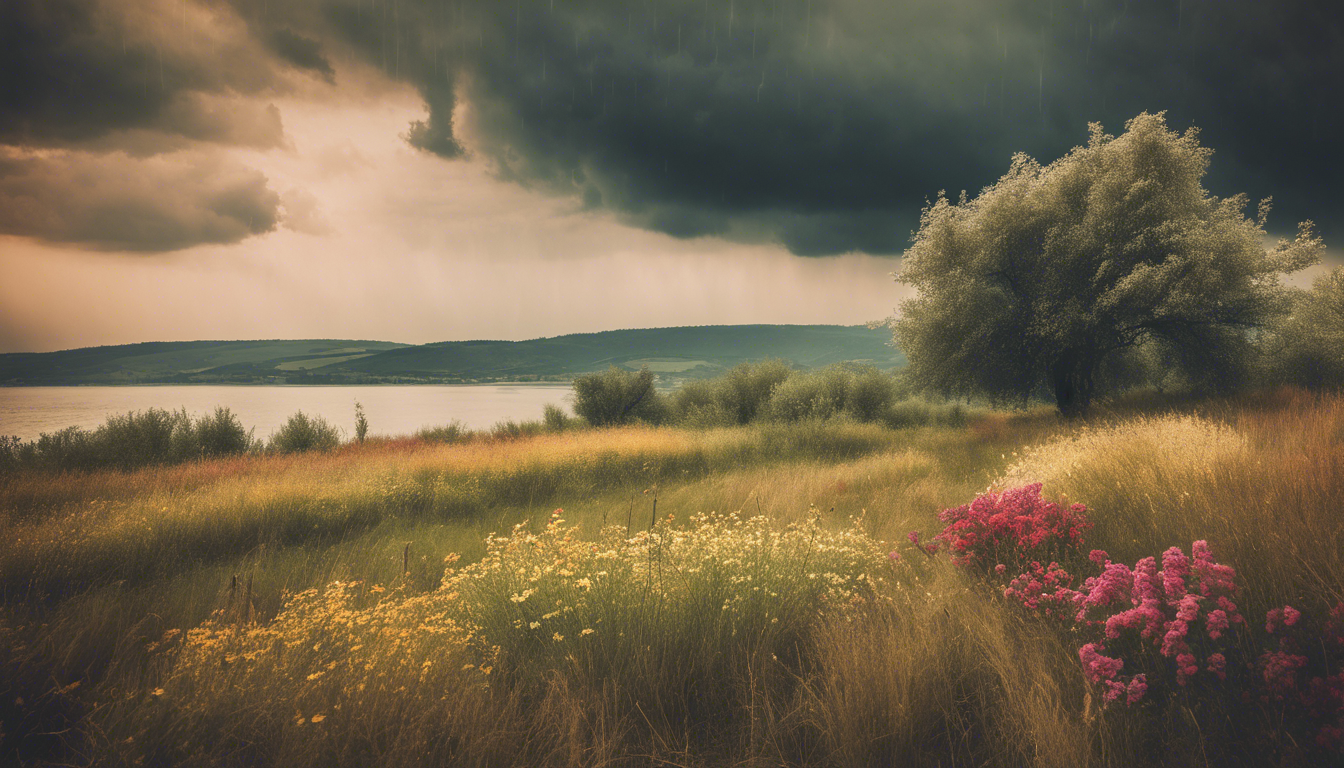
point(672, 353)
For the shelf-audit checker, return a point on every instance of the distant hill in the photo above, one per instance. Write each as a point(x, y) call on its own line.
point(672, 353)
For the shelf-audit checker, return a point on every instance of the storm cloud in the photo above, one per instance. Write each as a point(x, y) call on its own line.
point(813, 122)
point(823, 125)
point(118, 202)
point(115, 118)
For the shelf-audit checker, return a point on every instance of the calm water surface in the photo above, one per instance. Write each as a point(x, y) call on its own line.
point(392, 410)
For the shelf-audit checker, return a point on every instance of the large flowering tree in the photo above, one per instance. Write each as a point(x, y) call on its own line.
point(1107, 267)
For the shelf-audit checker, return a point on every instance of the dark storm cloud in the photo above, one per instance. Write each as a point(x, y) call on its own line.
point(114, 115)
point(76, 71)
point(821, 124)
point(118, 202)
point(807, 121)
point(301, 52)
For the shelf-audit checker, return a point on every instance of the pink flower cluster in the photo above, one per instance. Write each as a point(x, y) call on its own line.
point(1015, 525)
point(1042, 587)
point(1161, 608)
point(1179, 614)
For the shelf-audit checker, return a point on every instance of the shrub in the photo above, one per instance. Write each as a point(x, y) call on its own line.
point(452, 432)
point(554, 418)
point(696, 404)
point(220, 434)
point(862, 393)
point(509, 429)
point(304, 433)
point(745, 389)
point(142, 438)
point(618, 396)
point(361, 423)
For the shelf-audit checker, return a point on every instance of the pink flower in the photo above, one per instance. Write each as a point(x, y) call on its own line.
point(1096, 666)
point(913, 536)
point(1279, 670)
point(894, 556)
point(1218, 665)
point(1138, 686)
point(1186, 668)
point(1000, 568)
point(1217, 623)
point(1099, 557)
point(1175, 567)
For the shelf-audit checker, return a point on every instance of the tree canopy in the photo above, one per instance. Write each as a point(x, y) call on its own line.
point(1109, 267)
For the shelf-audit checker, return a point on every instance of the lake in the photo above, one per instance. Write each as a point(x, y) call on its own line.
point(391, 410)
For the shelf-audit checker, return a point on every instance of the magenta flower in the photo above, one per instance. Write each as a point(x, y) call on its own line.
point(1175, 567)
point(1217, 623)
point(1096, 666)
point(1286, 616)
point(1138, 686)
point(1218, 665)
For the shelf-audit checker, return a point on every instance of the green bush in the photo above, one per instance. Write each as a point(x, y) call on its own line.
point(130, 441)
point(304, 433)
point(696, 404)
point(618, 396)
point(143, 438)
point(217, 434)
point(452, 432)
point(361, 423)
point(747, 388)
point(1306, 346)
point(734, 398)
point(508, 429)
point(859, 392)
point(554, 418)
point(70, 448)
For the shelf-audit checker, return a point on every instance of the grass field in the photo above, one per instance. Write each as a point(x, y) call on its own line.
point(735, 596)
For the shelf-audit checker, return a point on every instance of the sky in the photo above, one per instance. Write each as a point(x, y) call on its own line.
point(435, 170)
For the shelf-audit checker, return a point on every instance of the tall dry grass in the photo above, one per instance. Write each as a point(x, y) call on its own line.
point(1262, 479)
point(932, 668)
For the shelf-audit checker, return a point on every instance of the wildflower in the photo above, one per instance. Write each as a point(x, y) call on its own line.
point(1218, 665)
point(1137, 687)
point(534, 625)
point(1287, 616)
point(319, 718)
point(585, 633)
point(1217, 623)
point(894, 556)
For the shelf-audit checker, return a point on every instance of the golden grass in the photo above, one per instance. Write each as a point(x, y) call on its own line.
point(933, 669)
point(1262, 483)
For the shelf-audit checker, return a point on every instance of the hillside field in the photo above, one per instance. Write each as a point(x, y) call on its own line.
point(759, 595)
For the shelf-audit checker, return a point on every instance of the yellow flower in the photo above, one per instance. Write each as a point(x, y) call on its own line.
point(319, 718)
point(558, 637)
point(585, 632)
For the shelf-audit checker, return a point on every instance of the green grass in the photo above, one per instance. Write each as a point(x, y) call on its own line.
point(152, 615)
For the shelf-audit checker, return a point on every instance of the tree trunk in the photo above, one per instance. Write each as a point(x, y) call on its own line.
point(1071, 376)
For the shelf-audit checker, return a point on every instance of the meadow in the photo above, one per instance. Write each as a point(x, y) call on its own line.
point(811, 592)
